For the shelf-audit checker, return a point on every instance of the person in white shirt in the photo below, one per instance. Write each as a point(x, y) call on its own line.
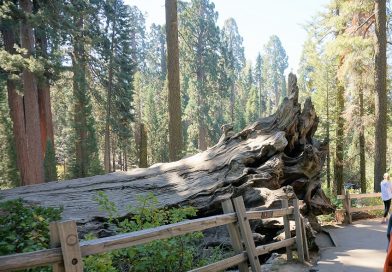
point(386, 195)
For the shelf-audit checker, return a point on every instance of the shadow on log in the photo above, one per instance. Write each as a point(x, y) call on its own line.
point(268, 155)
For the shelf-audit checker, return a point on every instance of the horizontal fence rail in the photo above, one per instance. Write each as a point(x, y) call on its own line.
point(348, 209)
point(67, 252)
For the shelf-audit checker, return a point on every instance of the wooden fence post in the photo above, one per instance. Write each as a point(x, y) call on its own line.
point(305, 239)
point(287, 232)
point(55, 242)
point(246, 232)
point(234, 233)
point(70, 248)
point(348, 207)
point(298, 231)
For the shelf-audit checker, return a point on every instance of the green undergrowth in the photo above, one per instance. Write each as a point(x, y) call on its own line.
point(25, 228)
point(180, 253)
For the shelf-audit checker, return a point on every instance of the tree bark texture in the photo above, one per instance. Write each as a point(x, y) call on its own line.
point(362, 151)
point(339, 139)
point(328, 167)
point(275, 153)
point(44, 101)
point(173, 71)
point(380, 143)
point(35, 173)
point(141, 142)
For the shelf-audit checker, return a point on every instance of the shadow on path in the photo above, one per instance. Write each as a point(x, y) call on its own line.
point(360, 247)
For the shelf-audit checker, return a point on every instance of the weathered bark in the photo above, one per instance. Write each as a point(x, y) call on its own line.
point(328, 139)
point(113, 155)
point(380, 134)
point(31, 109)
point(270, 154)
point(173, 71)
point(125, 159)
point(141, 142)
point(339, 139)
point(362, 151)
point(45, 113)
point(45, 110)
point(106, 158)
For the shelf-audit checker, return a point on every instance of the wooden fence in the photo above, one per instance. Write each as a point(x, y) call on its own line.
point(67, 251)
point(347, 197)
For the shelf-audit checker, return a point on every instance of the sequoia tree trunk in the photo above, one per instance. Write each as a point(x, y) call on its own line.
point(362, 151)
point(173, 72)
point(35, 173)
point(339, 139)
point(380, 82)
point(328, 138)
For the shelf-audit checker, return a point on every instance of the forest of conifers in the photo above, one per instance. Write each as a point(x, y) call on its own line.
point(84, 87)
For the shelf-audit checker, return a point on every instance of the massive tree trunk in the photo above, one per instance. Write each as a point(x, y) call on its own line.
point(173, 69)
point(45, 110)
point(339, 139)
point(380, 135)
point(327, 133)
point(35, 163)
point(274, 152)
point(362, 151)
point(141, 143)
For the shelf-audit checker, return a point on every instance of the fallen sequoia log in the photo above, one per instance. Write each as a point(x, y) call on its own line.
point(268, 155)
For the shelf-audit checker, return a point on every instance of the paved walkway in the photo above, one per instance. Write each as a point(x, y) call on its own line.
point(360, 247)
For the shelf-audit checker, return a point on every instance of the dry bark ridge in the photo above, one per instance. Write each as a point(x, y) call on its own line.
point(271, 153)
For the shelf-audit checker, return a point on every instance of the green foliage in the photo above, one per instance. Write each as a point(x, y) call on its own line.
point(98, 263)
point(173, 254)
point(24, 228)
point(9, 175)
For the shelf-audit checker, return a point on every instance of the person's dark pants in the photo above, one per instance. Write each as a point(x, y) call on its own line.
point(387, 205)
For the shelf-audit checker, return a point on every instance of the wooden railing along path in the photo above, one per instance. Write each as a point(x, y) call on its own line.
point(347, 197)
point(67, 251)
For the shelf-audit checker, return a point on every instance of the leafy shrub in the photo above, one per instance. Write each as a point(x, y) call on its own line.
point(25, 228)
point(180, 253)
